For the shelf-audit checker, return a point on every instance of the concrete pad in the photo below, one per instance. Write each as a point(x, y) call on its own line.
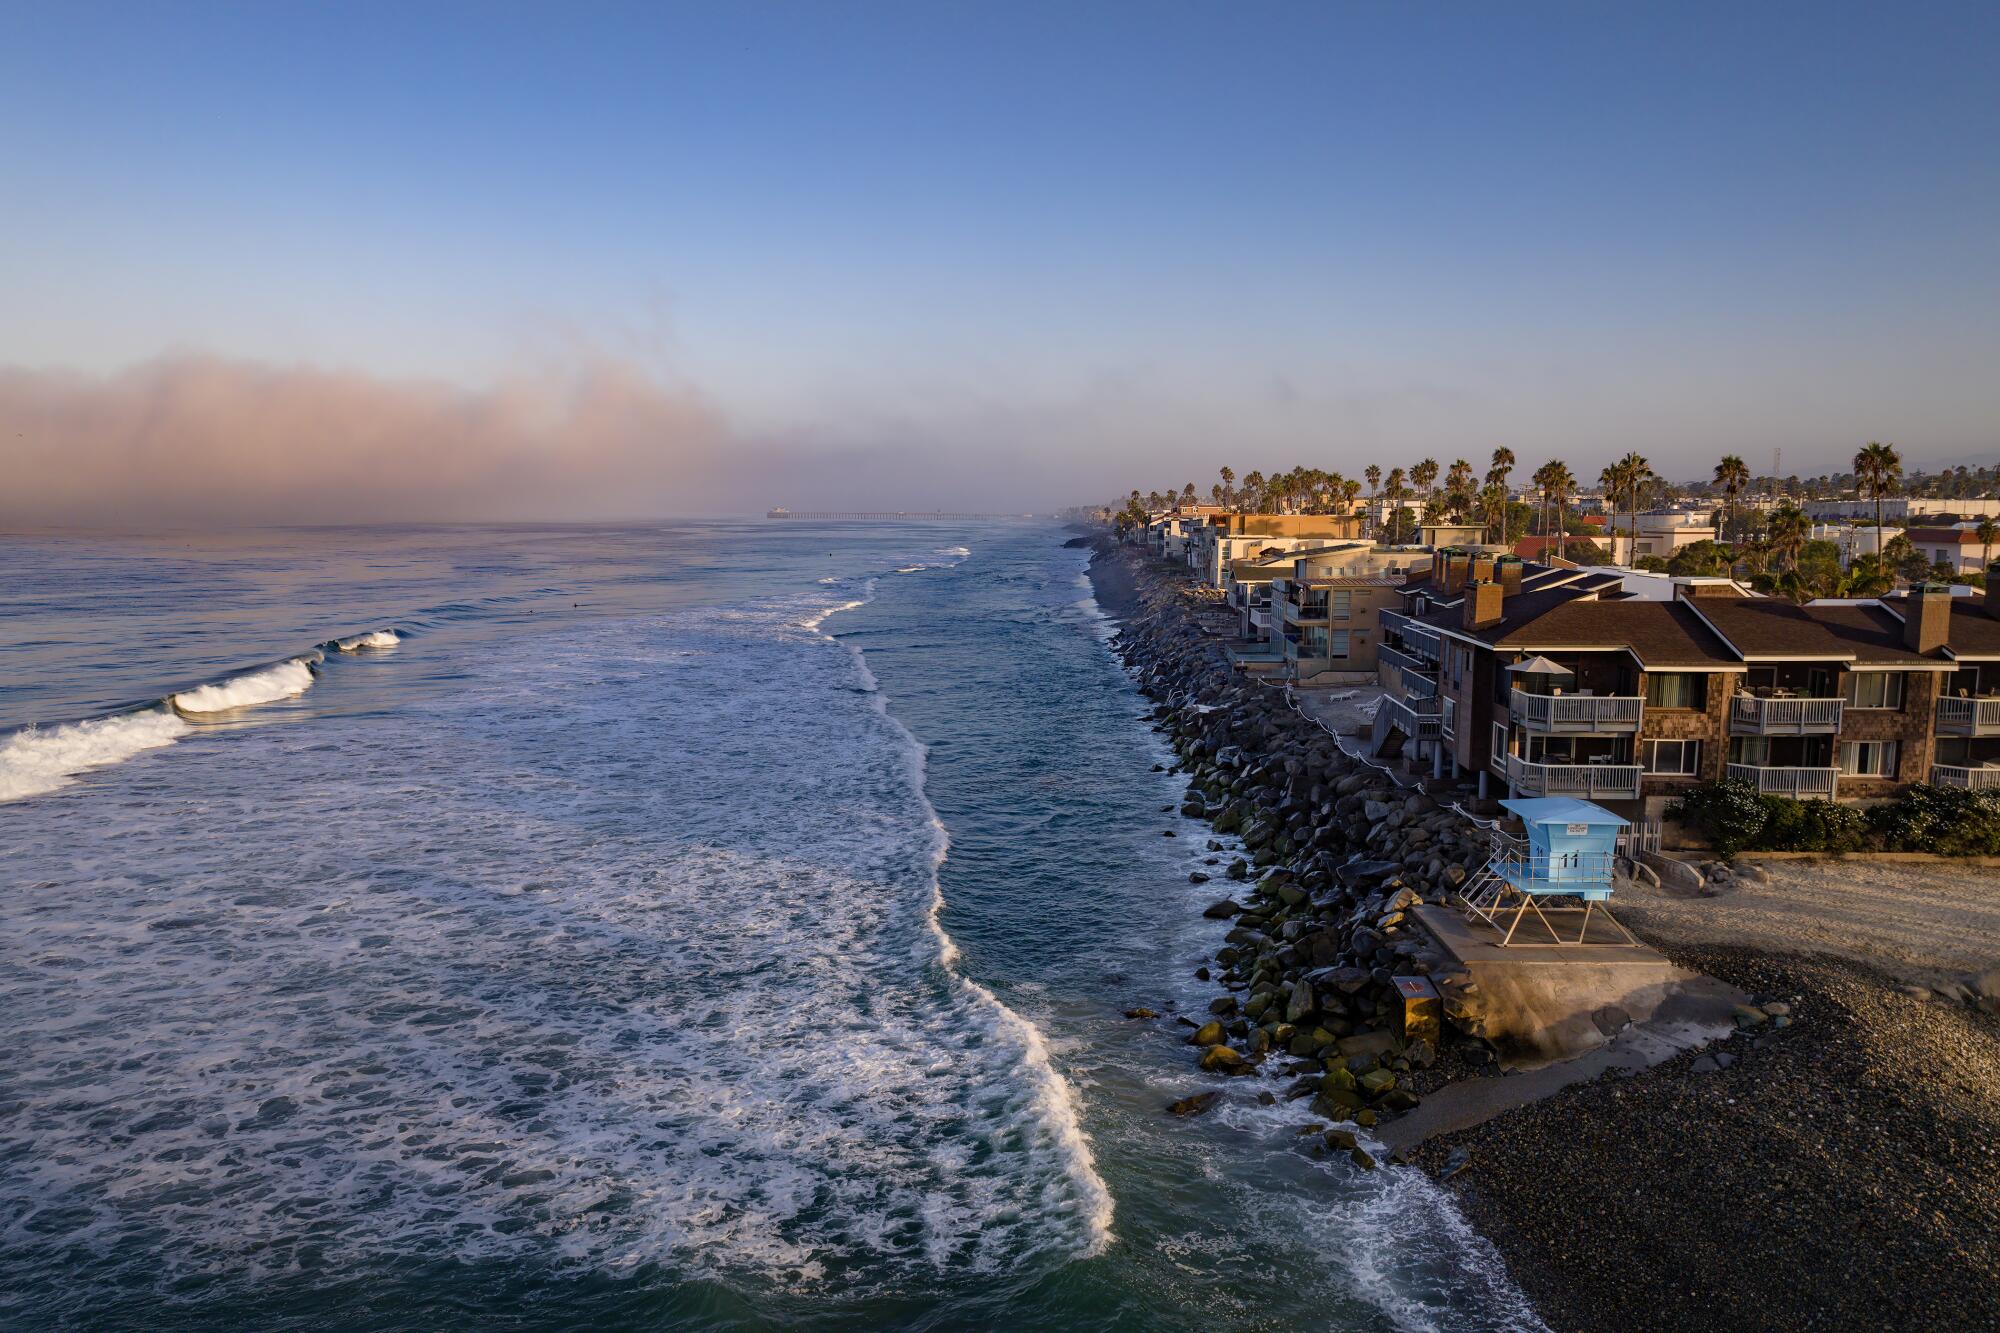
point(1541, 1004)
point(1693, 1014)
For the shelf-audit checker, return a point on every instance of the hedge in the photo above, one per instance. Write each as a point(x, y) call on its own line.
point(1949, 821)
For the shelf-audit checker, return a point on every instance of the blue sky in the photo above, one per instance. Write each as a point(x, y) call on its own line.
point(1137, 239)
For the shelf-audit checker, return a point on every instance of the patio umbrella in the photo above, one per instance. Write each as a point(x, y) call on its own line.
point(1541, 666)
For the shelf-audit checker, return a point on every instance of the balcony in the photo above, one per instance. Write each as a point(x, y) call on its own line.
point(1575, 714)
point(1420, 640)
point(1419, 686)
point(1591, 782)
point(1754, 715)
point(1801, 783)
point(1309, 613)
point(1984, 778)
point(1968, 717)
point(1401, 658)
point(1416, 723)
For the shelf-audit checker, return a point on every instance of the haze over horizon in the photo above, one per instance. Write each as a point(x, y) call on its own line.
point(376, 263)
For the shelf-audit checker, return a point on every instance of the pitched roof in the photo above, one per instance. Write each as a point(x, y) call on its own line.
point(1772, 629)
point(1662, 635)
point(1974, 633)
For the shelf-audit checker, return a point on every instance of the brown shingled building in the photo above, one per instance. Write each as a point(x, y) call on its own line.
point(1554, 682)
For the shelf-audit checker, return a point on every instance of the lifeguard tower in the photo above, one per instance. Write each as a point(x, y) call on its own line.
point(1555, 882)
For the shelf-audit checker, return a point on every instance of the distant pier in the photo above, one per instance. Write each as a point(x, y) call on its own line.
point(900, 513)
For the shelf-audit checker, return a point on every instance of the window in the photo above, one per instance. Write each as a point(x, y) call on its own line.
point(1450, 716)
point(1674, 758)
point(1874, 689)
point(1750, 750)
point(1868, 759)
point(1672, 689)
point(1340, 603)
point(1337, 643)
point(1500, 746)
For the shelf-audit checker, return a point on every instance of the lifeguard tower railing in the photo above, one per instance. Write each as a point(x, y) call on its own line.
point(1578, 874)
point(1518, 888)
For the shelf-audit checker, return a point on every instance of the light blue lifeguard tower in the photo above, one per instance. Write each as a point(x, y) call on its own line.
point(1562, 869)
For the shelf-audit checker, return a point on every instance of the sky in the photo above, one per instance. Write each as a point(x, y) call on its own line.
point(274, 261)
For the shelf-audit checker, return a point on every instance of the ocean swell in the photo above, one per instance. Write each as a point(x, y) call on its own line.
point(256, 687)
point(35, 760)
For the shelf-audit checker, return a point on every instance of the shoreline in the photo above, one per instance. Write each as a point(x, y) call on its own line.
point(1844, 1150)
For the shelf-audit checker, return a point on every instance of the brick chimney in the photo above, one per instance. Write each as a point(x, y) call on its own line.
point(1927, 617)
point(1508, 569)
point(1451, 570)
point(1482, 566)
point(1485, 604)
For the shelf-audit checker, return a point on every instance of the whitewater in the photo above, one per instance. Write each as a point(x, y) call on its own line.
point(668, 924)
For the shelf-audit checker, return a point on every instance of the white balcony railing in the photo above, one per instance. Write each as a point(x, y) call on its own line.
point(1803, 783)
point(1611, 782)
point(1751, 715)
point(1969, 717)
point(1986, 778)
point(1575, 714)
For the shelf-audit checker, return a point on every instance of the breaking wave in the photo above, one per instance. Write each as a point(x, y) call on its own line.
point(257, 687)
point(36, 760)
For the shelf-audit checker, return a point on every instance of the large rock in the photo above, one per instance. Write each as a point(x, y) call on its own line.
point(1221, 1059)
point(1208, 1034)
point(1299, 1005)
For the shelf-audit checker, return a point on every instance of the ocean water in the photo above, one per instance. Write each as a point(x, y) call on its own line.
point(710, 925)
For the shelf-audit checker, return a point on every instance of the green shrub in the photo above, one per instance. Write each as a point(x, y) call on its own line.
point(1810, 826)
point(1729, 814)
point(1947, 821)
point(1950, 821)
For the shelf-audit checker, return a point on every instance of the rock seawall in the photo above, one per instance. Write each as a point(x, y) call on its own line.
point(1334, 855)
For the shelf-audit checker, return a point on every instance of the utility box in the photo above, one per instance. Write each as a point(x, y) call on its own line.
point(1423, 1009)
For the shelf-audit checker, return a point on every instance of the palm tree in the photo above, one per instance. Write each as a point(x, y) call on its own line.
point(1493, 509)
point(1789, 527)
point(1560, 488)
point(1732, 474)
point(1392, 494)
point(1496, 479)
point(1228, 486)
point(1986, 532)
point(1422, 477)
point(1612, 481)
point(1459, 491)
point(1253, 490)
point(1374, 474)
point(1634, 475)
point(1877, 468)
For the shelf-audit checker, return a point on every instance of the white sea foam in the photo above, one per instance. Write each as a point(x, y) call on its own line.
point(519, 980)
point(256, 687)
point(381, 638)
point(1052, 1101)
point(42, 759)
point(952, 550)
